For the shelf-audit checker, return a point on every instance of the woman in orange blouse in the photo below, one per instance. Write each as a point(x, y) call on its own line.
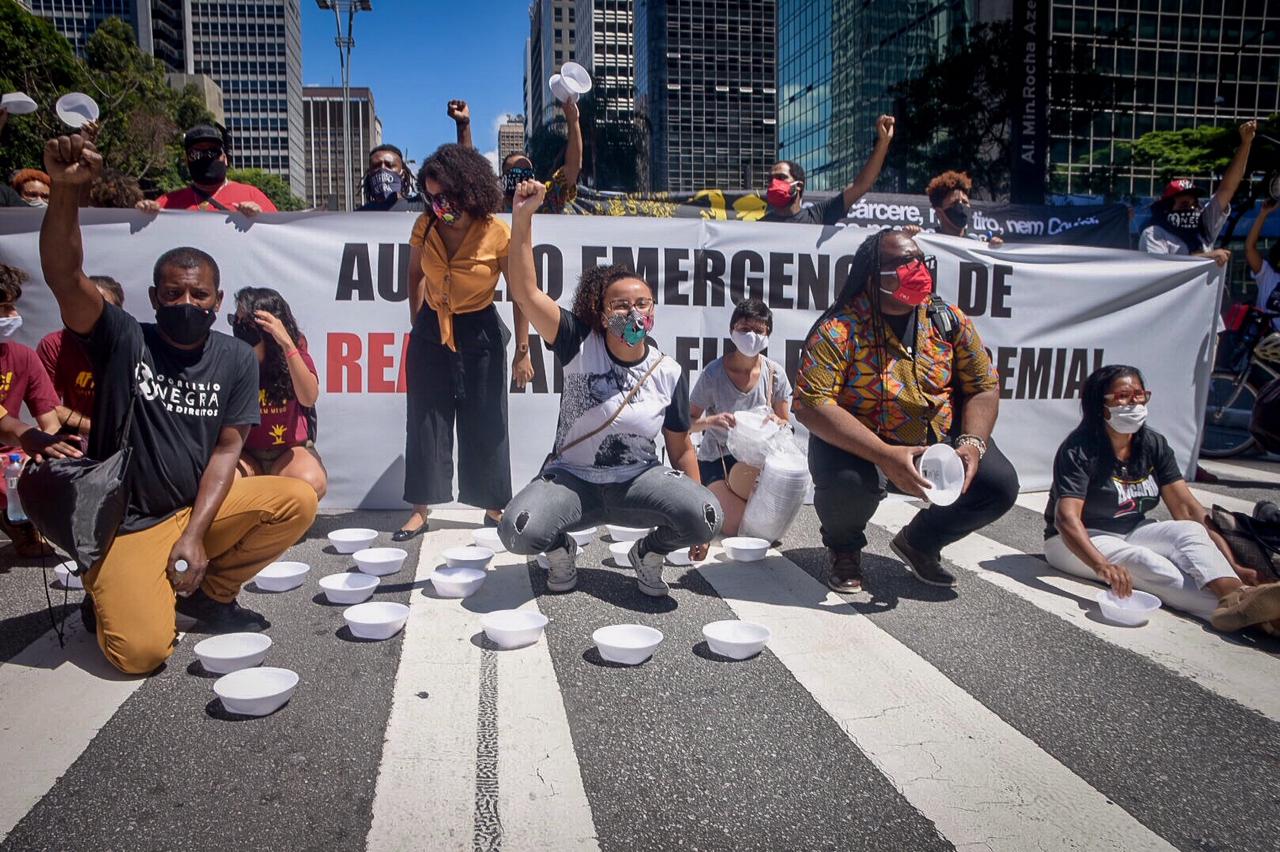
point(456, 367)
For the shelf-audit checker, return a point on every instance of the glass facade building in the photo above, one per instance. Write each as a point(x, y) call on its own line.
point(706, 82)
point(552, 36)
point(322, 121)
point(605, 46)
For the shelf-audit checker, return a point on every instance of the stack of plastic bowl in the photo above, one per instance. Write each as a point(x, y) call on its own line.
point(778, 498)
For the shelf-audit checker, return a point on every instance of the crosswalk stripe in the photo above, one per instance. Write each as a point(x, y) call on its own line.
point(1234, 471)
point(53, 702)
point(1179, 644)
point(981, 781)
point(1037, 500)
point(428, 792)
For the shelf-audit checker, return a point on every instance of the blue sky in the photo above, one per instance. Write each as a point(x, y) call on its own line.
point(417, 54)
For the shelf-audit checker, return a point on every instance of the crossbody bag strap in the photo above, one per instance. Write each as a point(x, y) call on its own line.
point(631, 394)
point(204, 196)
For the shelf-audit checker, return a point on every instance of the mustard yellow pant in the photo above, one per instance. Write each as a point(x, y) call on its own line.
point(261, 518)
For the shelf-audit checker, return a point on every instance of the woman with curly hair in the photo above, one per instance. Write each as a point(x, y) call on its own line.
point(32, 185)
point(283, 443)
point(620, 392)
point(456, 365)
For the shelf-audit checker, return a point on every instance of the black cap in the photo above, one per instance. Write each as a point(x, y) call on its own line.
point(203, 133)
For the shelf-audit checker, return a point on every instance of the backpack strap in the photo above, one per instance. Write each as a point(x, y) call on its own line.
point(943, 318)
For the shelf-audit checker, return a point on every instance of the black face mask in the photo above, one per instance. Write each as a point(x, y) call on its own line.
point(1185, 225)
point(207, 172)
point(958, 215)
point(513, 178)
point(247, 331)
point(184, 324)
point(382, 185)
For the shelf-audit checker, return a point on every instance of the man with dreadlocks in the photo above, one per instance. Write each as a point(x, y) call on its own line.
point(886, 371)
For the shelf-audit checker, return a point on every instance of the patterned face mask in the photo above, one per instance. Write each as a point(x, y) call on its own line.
point(444, 209)
point(631, 327)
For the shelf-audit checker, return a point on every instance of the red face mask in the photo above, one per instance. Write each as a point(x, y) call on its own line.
point(780, 193)
point(915, 283)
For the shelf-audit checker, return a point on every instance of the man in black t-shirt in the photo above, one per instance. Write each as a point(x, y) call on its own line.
point(786, 186)
point(191, 528)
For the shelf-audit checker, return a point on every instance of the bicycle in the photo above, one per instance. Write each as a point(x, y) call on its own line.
point(1235, 386)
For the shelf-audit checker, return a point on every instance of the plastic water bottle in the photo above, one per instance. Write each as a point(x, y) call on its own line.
point(11, 473)
point(181, 567)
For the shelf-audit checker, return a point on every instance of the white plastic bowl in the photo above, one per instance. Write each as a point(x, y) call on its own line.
point(282, 576)
point(560, 91)
point(582, 538)
point(232, 652)
point(256, 692)
point(618, 533)
point(619, 550)
point(349, 587)
point(736, 640)
point(679, 557)
point(376, 619)
point(543, 562)
point(745, 549)
point(941, 465)
point(17, 103)
point(629, 644)
point(68, 580)
point(575, 78)
point(457, 582)
point(380, 561)
point(488, 537)
point(352, 539)
point(1132, 611)
point(467, 557)
point(513, 628)
point(76, 109)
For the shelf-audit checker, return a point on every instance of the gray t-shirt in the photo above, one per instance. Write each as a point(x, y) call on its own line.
point(715, 393)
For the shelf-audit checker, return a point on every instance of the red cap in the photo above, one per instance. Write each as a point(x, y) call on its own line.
point(1178, 187)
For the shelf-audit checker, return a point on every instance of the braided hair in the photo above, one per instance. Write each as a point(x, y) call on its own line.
point(275, 377)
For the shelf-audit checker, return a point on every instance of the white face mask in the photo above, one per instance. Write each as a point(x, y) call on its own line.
point(749, 343)
point(8, 325)
point(1127, 419)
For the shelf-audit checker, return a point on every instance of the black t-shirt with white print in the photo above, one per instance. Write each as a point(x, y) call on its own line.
point(1118, 496)
point(595, 384)
point(185, 398)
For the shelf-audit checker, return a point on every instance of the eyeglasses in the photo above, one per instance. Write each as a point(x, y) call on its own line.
point(1128, 397)
point(199, 154)
point(930, 263)
point(622, 306)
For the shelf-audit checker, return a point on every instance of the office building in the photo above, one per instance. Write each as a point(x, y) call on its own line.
point(552, 32)
point(326, 185)
point(158, 24)
point(510, 136)
point(1171, 66)
point(837, 60)
point(605, 45)
point(706, 87)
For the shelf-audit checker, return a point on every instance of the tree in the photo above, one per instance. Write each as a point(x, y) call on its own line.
point(273, 186)
point(611, 149)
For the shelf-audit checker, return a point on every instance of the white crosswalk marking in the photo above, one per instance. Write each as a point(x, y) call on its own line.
point(976, 777)
point(1236, 471)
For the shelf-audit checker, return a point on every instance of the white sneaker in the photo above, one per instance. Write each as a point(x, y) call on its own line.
point(648, 571)
point(562, 572)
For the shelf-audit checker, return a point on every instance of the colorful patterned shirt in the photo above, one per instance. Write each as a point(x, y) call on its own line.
point(899, 397)
point(560, 194)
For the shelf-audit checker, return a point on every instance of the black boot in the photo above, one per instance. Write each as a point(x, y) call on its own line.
point(218, 617)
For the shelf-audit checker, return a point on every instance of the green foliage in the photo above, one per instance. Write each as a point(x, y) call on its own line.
point(273, 186)
point(142, 117)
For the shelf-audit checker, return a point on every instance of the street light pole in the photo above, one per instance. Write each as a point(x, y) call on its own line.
point(345, 43)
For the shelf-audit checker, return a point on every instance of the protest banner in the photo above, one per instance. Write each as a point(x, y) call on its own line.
point(1049, 314)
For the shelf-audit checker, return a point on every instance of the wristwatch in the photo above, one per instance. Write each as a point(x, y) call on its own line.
point(973, 441)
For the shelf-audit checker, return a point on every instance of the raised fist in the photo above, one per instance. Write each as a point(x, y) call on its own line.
point(460, 112)
point(71, 160)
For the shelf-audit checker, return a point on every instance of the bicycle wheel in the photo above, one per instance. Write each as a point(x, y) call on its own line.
point(1226, 415)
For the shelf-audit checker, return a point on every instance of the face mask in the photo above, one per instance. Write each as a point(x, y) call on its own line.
point(780, 193)
point(915, 283)
point(958, 215)
point(249, 332)
point(444, 211)
point(1187, 220)
point(8, 325)
point(1127, 419)
point(184, 324)
point(514, 177)
point(749, 343)
point(37, 202)
point(382, 185)
point(632, 327)
point(207, 172)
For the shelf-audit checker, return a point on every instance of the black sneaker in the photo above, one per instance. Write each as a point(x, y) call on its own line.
point(844, 571)
point(88, 615)
point(220, 617)
point(927, 568)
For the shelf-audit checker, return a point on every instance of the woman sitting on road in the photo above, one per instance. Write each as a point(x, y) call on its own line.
point(1107, 475)
point(283, 444)
point(620, 392)
point(744, 380)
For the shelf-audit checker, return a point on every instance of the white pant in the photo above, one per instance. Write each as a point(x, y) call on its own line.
point(1173, 560)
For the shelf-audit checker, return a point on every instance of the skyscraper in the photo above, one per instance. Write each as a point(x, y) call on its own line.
point(157, 23)
point(605, 45)
point(510, 136)
point(552, 32)
point(706, 82)
point(326, 185)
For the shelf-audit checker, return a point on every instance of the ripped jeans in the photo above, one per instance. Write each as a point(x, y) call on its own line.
point(682, 512)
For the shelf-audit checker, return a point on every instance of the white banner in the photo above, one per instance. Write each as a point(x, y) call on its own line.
point(1049, 314)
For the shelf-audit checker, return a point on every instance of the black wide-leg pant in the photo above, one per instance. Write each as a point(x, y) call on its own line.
point(467, 388)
